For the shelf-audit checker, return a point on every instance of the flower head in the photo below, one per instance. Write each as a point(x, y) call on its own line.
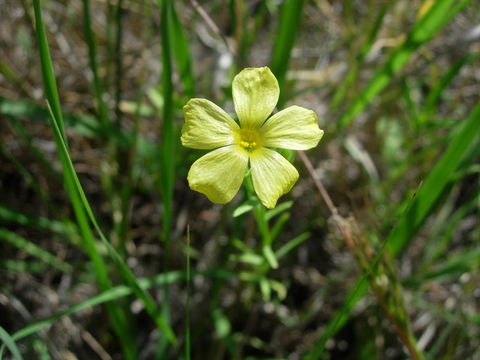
point(219, 174)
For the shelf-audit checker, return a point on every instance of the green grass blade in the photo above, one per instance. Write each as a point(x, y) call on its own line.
point(454, 266)
point(13, 78)
point(27, 176)
point(167, 146)
point(23, 266)
point(83, 125)
point(33, 250)
point(291, 244)
point(127, 275)
point(116, 314)
point(446, 222)
point(63, 228)
point(113, 294)
point(167, 151)
point(187, 302)
point(435, 183)
point(290, 18)
point(92, 57)
point(50, 85)
point(27, 139)
point(339, 319)
point(10, 344)
point(437, 17)
point(436, 93)
point(183, 56)
point(356, 61)
point(118, 62)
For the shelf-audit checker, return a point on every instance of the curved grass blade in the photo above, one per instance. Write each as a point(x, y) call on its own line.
point(438, 16)
point(10, 344)
point(435, 183)
point(125, 272)
point(453, 266)
point(116, 293)
point(358, 60)
point(59, 227)
point(435, 94)
point(82, 124)
point(30, 266)
point(34, 149)
point(116, 313)
point(34, 250)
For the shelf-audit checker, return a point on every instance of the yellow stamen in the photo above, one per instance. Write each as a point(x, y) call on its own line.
point(249, 139)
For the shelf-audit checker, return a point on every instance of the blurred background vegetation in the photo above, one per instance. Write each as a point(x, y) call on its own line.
point(105, 251)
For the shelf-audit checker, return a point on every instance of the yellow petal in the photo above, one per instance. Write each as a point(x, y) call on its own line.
point(294, 128)
point(207, 126)
point(255, 94)
point(272, 175)
point(219, 174)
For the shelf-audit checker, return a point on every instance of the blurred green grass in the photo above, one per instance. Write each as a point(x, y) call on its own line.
point(396, 91)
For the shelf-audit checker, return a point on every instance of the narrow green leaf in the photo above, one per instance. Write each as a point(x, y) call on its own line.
point(436, 93)
point(291, 244)
point(242, 209)
point(81, 124)
point(33, 250)
point(92, 57)
point(183, 56)
point(168, 141)
point(115, 293)
point(188, 296)
point(63, 228)
point(10, 344)
point(50, 85)
point(270, 256)
point(454, 266)
point(290, 18)
point(280, 208)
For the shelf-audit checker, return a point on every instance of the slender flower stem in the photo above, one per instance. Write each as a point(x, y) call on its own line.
point(405, 336)
point(262, 223)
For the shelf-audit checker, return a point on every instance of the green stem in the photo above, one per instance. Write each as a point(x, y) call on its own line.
point(262, 223)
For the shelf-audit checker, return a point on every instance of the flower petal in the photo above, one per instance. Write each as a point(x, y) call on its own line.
point(255, 94)
point(272, 175)
point(294, 128)
point(219, 174)
point(207, 126)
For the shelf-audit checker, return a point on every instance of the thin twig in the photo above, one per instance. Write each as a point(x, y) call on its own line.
point(328, 201)
point(323, 192)
point(211, 24)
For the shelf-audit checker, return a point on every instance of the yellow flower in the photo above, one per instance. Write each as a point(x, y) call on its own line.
point(219, 174)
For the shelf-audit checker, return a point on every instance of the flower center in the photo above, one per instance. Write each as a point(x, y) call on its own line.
point(249, 139)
